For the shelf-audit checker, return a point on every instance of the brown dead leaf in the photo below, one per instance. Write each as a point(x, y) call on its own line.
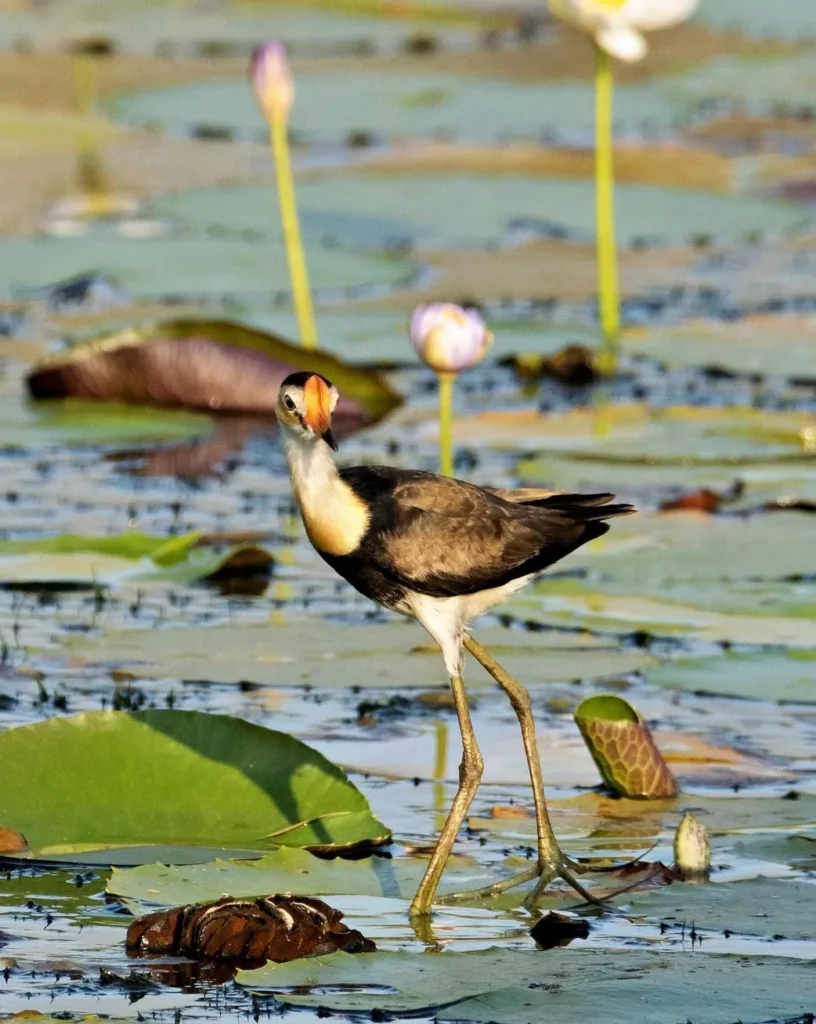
point(12, 841)
point(509, 811)
point(249, 932)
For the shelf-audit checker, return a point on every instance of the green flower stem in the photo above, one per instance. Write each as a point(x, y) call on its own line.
point(446, 381)
point(608, 296)
point(298, 274)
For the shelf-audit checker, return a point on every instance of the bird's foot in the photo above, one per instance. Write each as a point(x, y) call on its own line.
point(563, 868)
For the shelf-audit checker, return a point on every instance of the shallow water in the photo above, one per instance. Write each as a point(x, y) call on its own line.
point(705, 623)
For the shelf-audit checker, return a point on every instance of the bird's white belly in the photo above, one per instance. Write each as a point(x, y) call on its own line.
point(447, 618)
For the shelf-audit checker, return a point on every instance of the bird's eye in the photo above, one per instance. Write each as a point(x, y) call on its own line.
point(288, 403)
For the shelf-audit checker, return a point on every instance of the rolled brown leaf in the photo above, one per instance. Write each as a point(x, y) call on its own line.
point(246, 932)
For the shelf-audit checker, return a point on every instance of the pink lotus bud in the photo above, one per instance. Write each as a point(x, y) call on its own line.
point(448, 338)
point(272, 80)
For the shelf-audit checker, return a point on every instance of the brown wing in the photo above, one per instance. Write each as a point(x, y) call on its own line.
point(445, 537)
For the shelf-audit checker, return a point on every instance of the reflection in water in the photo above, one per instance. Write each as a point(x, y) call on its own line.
point(440, 762)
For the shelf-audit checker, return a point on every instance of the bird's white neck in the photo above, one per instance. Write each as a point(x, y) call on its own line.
point(334, 517)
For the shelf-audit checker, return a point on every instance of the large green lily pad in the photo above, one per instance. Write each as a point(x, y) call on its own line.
point(392, 655)
point(158, 267)
point(69, 558)
point(329, 106)
point(651, 483)
point(679, 436)
point(111, 779)
point(780, 346)
point(786, 18)
point(286, 870)
point(374, 211)
point(72, 423)
point(785, 676)
point(744, 580)
point(559, 985)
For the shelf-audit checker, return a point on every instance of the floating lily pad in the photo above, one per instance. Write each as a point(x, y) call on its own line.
point(762, 906)
point(285, 870)
point(72, 423)
point(650, 483)
point(207, 364)
point(784, 676)
point(161, 267)
point(679, 435)
point(784, 346)
point(788, 19)
point(523, 987)
point(380, 211)
point(393, 655)
point(94, 561)
point(329, 106)
point(101, 780)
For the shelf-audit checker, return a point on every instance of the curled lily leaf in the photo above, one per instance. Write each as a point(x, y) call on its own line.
point(692, 848)
point(448, 338)
point(623, 749)
point(272, 80)
point(618, 25)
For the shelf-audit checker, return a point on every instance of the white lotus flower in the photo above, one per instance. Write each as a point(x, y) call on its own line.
point(618, 25)
point(448, 338)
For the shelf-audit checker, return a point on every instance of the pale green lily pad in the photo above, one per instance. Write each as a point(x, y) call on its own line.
point(761, 906)
point(624, 614)
point(327, 30)
point(784, 676)
point(110, 560)
point(28, 424)
point(376, 210)
point(742, 580)
point(615, 987)
point(329, 106)
point(755, 85)
point(393, 655)
point(763, 482)
point(783, 346)
point(286, 870)
point(199, 266)
point(789, 19)
point(100, 780)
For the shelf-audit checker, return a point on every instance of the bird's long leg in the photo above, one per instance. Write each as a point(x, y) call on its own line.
point(470, 774)
point(551, 861)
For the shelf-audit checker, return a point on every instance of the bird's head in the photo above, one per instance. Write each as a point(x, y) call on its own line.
point(305, 405)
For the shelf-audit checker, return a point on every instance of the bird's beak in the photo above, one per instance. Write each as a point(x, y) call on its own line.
point(318, 409)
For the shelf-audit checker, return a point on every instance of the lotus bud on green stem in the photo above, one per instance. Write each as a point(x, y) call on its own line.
point(272, 81)
point(623, 749)
point(449, 339)
point(692, 849)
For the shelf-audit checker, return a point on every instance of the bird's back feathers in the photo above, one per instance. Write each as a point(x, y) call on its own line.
point(444, 537)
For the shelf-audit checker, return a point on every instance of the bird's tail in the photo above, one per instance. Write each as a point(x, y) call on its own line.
point(587, 508)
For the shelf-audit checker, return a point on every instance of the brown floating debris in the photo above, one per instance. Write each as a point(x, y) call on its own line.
point(574, 365)
point(623, 749)
point(216, 365)
point(249, 932)
point(553, 930)
point(12, 841)
point(704, 500)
